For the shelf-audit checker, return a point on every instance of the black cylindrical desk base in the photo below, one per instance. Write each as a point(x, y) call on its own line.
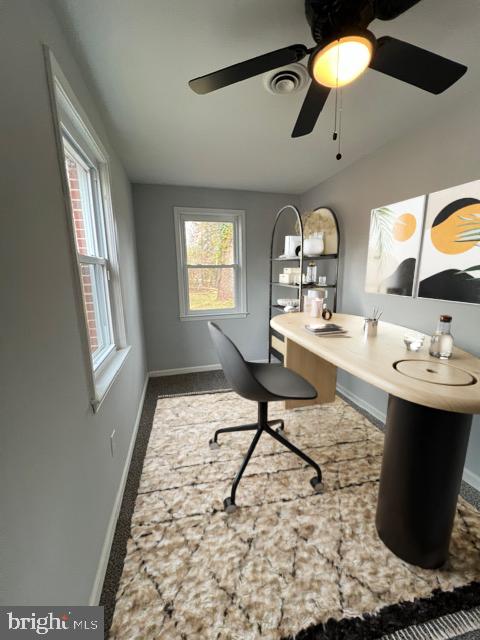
point(422, 468)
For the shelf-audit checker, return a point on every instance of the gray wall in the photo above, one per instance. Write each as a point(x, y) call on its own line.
point(171, 343)
point(440, 153)
point(58, 480)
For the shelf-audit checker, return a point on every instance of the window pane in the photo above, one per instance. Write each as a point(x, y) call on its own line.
point(95, 295)
point(209, 242)
point(211, 289)
point(93, 321)
point(79, 182)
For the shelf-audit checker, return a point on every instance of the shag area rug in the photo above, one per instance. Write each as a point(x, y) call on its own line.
point(289, 563)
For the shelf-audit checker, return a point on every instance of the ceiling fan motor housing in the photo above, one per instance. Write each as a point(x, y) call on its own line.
point(329, 18)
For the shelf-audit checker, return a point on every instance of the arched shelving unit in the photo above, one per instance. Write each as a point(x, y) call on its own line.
point(275, 346)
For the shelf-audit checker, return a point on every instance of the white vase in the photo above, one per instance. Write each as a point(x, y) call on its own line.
point(313, 246)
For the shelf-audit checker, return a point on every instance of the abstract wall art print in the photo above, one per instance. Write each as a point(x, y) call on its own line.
point(393, 247)
point(450, 260)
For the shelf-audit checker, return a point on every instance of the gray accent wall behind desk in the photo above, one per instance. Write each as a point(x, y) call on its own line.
point(171, 342)
point(439, 153)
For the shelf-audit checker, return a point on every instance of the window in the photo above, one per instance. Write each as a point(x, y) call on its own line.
point(90, 213)
point(211, 262)
point(91, 249)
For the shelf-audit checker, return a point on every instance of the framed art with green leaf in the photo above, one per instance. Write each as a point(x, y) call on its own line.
point(394, 246)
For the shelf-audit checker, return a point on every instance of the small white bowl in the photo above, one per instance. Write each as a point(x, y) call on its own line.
point(413, 340)
point(287, 302)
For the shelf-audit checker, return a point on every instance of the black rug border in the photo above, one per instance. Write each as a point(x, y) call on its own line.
point(395, 617)
point(118, 549)
point(368, 627)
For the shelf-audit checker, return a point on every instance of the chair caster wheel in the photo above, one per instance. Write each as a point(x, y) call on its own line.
point(229, 506)
point(317, 484)
point(213, 444)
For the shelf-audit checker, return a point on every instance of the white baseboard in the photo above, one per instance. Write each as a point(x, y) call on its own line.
point(363, 404)
point(204, 367)
point(472, 479)
point(112, 523)
point(469, 477)
point(175, 372)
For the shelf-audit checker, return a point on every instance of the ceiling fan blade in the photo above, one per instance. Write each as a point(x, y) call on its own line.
point(248, 69)
point(422, 68)
point(316, 97)
point(391, 9)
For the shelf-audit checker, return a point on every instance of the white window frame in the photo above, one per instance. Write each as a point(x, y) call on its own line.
point(74, 130)
point(101, 259)
point(235, 216)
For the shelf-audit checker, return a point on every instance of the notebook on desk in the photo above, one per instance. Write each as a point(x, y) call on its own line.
point(325, 329)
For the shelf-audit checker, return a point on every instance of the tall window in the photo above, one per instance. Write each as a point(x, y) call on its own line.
point(91, 247)
point(91, 219)
point(211, 265)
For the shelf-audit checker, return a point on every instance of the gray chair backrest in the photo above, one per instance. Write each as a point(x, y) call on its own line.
point(236, 370)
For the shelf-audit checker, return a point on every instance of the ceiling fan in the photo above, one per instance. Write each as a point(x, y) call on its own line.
point(344, 50)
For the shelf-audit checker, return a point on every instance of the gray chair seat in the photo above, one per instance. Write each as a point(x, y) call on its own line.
point(282, 383)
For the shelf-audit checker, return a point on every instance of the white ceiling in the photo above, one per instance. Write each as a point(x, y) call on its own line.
point(141, 53)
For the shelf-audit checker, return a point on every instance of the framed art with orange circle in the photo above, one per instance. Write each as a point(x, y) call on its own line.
point(394, 246)
point(450, 258)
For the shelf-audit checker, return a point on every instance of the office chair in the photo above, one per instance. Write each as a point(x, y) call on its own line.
point(261, 383)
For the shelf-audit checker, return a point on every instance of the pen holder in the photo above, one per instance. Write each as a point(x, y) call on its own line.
point(370, 328)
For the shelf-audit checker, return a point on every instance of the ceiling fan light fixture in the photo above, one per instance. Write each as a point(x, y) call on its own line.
point(342, 60)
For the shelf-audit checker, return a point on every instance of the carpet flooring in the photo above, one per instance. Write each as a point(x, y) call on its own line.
point(288, 558)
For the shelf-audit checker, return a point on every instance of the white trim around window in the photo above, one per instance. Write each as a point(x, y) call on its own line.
point(237, 218)
point(76, 138)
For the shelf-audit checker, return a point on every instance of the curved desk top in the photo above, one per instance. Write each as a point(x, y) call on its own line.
point(451, 385)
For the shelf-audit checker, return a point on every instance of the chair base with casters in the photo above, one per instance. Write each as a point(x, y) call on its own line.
point(263, 425)
point(262, 383)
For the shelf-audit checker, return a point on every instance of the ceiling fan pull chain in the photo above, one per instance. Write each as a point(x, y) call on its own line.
point(335, 133)
point(340, 109)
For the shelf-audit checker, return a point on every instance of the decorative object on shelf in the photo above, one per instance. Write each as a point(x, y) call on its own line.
point(321, 220)
point(287, 302)
point(314, 245)
point(393, 247)
point(441, 343)
point(450, 260)
point(322, 281)
point(292, 244)
point(413, 340)
point(311, 273)
point(322, 224)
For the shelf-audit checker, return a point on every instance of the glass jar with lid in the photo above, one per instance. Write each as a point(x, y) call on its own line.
point(441, 343)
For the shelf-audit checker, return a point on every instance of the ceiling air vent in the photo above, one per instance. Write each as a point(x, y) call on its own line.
point(286, 80)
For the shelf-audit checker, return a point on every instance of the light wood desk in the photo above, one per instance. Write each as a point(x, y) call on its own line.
point(430, 409)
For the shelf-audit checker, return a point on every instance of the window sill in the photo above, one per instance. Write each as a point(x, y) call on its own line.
point(106, 378)
point(215, 316)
